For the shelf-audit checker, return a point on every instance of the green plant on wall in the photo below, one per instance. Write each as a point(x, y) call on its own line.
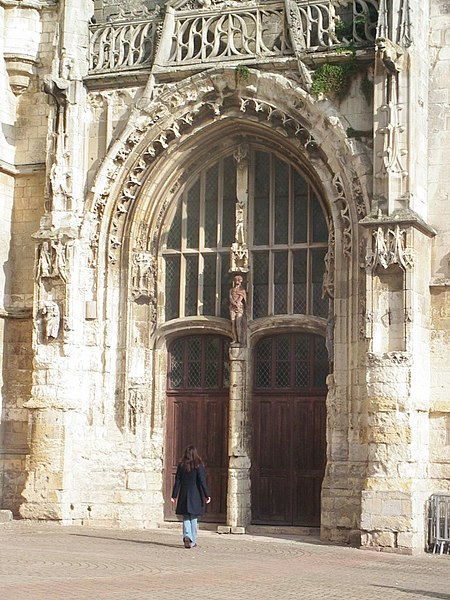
point(242, 73)
point(335, 80)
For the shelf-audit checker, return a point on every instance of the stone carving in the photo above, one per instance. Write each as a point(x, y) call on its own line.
point(238, 312)
point(391, 55)
point(121, 46)
point(341, 202)
point(60, 182)
point(329, 336)
point(143, 275)
point(395, 358)
point(135, 408)
point(51, 261)
point(273, 113)
point(328, 276)
point(246, 32)
point(405, 36)
point(239, 250)
point(389, 249)
point(390, 139)
point(51, 319)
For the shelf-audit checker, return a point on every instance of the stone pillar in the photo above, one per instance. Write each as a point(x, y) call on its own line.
point(396, 409)
point(238, 499)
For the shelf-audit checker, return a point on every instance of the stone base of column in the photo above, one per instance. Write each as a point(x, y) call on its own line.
point(389, 522)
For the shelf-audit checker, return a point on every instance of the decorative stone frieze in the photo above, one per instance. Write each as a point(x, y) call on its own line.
point(389, 249)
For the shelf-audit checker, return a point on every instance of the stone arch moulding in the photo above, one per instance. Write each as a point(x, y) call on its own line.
point(181, 111)
point(136, 184)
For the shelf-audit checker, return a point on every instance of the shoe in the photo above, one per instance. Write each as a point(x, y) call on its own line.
point(187, 542)
point(193, 545)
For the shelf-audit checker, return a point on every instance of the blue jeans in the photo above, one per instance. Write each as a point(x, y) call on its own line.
point(190, 527)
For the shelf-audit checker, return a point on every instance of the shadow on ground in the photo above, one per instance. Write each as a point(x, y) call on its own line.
point(421, 593)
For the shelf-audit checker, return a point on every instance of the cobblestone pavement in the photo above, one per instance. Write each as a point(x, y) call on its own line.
point(47, 561)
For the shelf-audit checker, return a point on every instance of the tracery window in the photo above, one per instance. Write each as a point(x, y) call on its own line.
point(287, 238)
point(296, 362)
point(199, 362)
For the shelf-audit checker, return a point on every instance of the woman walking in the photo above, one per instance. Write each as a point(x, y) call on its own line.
point(192, 492)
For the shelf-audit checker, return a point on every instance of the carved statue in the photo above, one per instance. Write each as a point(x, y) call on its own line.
point(142, 270)
point(44, 261)
point(52, 319)
point(135, 408)
point(391, 55)
point(59, 260)
point(239, 250)
point(51, 261)
point(238, 314)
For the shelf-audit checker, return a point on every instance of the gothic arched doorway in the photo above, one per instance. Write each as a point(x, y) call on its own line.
point(197, 413)
point(289, 429)
point(283, 227)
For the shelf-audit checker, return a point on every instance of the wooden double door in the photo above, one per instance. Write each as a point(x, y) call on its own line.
point(289, 424)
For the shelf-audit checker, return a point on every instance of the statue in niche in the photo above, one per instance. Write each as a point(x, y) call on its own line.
point(239, 250)
point(59, 260)
point(44, 261)
point(142, 270)
point(238, 312)
point(52, 319)
point(51, 261)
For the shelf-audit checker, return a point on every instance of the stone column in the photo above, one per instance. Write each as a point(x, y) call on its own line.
point(238, 498)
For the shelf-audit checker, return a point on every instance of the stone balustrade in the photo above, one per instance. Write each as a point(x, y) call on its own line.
point(251, 33)
point(122, 46)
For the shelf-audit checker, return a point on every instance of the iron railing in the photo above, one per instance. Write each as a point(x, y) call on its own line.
point(439, 524)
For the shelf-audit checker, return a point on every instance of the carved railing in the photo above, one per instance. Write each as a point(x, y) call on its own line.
point(233, 33)
point(336, 22)
point(122, 46)
point(249, 32)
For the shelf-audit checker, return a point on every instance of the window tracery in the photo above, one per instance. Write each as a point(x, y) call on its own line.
point(287, 232)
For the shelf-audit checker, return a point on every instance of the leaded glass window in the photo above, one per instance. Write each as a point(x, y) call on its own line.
point(289, 240)
point(197, 248)
point(199, 362)
point(297, 361)
point(287, 235)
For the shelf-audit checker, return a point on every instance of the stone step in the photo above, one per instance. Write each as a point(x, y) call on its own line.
point(5, 516)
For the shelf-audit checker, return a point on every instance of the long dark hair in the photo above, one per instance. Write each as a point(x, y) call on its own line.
point(191, 459)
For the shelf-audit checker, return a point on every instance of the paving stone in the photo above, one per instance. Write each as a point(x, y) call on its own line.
point(46, 561)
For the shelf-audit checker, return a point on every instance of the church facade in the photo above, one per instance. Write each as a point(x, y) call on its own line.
point(226, 223)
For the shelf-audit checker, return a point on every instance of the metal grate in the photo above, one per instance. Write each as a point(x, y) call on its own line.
point(439, 524)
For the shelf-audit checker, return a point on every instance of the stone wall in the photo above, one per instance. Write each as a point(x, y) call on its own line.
point(439, 216)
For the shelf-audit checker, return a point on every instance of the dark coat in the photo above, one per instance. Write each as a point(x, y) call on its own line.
point(191, 490)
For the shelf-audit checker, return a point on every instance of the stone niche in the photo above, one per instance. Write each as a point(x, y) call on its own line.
point(389, 322)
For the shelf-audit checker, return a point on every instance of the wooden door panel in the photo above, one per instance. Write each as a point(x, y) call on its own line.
point(273, 424)
point(202, 421)
point(274, 505)
point(271, 461)
point(216, 424)
point(307, 500)
point(289, 459)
